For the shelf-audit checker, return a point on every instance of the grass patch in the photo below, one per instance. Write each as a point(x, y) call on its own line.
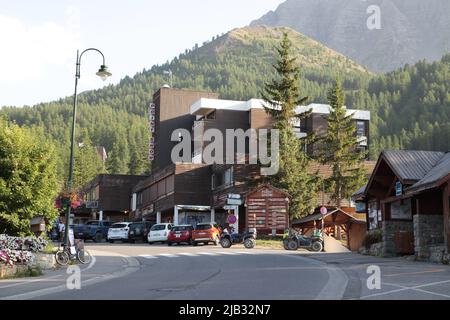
point(270, 242)
point(50, 248)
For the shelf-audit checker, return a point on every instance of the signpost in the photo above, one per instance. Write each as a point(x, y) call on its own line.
point(231, 219)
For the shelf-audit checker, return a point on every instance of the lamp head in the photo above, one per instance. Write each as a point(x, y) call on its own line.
point(103, 72)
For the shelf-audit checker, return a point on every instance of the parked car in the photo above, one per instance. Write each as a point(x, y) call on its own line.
point(159, 232)
point(139, 231)
point(206, 233)
point(180, 234)
point(93, 230)
point(118, 231)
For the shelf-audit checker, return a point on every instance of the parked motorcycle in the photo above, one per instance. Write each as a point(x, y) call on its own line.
point(297, 240)
point(248, 239)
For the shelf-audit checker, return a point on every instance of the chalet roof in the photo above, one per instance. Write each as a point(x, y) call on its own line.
point(360, 192)
point(266, 185)
point(411, 165)
point(432, 178)
point(340, 216)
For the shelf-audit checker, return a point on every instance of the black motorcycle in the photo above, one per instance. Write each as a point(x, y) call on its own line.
point(297, 240)
point(248, 239)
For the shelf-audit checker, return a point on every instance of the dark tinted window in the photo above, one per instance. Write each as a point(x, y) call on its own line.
point(182, 228)
point(158, 227)
point(118, 225)
point(92, 223)
point(203, 227)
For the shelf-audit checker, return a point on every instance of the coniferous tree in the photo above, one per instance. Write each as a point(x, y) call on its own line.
point(337, 148)
point(282, 96)
point(87, 164)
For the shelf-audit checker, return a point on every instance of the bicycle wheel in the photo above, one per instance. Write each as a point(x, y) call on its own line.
point(84, 256)
point(62, 258)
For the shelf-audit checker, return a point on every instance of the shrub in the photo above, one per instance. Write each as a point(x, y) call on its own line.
point(372, 237)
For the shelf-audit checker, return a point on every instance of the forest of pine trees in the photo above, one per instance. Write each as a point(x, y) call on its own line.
point(410, 107)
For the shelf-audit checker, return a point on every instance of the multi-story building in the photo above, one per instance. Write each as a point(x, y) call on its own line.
point(195, 191)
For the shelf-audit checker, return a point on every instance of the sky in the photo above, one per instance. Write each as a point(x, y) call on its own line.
point(39, 39)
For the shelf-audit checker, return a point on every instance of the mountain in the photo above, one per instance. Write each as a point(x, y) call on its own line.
point(411, 30)
point(410, 107)
point(235, 65)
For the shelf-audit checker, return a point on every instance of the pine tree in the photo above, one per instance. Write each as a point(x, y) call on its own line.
point(282, 96)
point(87, 164)
point(337, 149)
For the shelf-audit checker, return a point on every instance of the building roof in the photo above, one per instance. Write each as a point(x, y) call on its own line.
point(360, 192)
point(411, 165)
point(204, 106)
point(439, 172)
point(340, 216)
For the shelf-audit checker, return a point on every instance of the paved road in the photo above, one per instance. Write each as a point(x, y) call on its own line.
point(140, 271)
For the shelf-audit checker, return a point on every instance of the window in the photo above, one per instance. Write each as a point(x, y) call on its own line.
point(119, 226)
point(228, 176)
point(213, 181)
point(139, 199)
point(158, 227)
point(203, 227)
point(360, 128)
point(211, 115)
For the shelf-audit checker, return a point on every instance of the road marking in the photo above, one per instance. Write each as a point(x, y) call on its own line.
point(133, 266)
point(167, 255)
point(403, 288)
point(208, 253)
point(188, 254)
point(147, 256)
point(227, 252)
point(417, 272)
point(245, 252)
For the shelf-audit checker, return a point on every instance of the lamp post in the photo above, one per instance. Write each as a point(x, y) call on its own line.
point(103, 73)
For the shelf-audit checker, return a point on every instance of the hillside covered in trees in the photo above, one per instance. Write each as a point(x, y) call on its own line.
point(410, 107)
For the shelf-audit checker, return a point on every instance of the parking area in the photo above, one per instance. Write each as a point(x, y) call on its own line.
point(400, 278)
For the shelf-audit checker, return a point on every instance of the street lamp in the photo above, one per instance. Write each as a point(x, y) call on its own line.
point(103, 73)
point(170, 74)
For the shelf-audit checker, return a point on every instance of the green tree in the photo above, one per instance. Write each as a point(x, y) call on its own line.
point(28, 179)
point(87, 164)
point(337, 149)
point(282, 96)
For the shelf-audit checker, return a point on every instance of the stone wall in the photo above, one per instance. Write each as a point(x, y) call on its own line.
point(428, 237)
point(389, 229)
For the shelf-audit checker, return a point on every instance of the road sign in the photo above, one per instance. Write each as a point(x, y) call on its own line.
point(323, 210)
point(229, 207)
point(234, 201)
point(234, 196)
point(91, 204)
point(231, 219)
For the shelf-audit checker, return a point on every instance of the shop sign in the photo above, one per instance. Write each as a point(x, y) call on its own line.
point(152, 126)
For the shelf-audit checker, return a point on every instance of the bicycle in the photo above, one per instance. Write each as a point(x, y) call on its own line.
point(64, 255)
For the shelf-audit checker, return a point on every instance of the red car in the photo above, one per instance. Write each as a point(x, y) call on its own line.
point(180, 234)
